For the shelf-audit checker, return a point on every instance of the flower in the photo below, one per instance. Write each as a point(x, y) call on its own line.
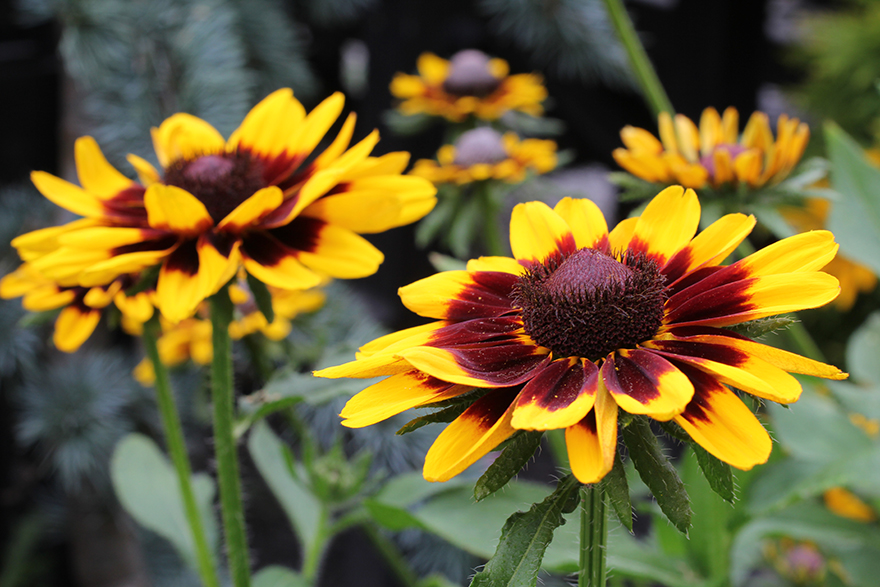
point(483, 153)
point(713, 155)
point(583, 322)
point(265, 199)
point(846, 504)
point(287, 305)
point(80, 307)
point(184, 340)
point(854, 277)
point(469, 84)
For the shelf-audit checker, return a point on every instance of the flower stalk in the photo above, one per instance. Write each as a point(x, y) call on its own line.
point(177, 449)
point(224, 441)
point(644, 72)
point(594, 537)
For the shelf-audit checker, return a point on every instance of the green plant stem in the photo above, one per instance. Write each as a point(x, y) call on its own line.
point(314, 552)
point(179, 457)
point(224, 441)
point(647, 78)
point(491, 209)
point(594, 537)
point(392, 556)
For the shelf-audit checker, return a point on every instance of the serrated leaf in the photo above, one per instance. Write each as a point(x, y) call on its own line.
point(524, 539)
point(445, 415)
point(262, 297)
point(658, 473)
point(762, 326)
point(512, 459)
point(617, 490)
point(716, 472)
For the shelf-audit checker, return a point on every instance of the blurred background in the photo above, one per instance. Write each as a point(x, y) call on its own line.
point(114, 68)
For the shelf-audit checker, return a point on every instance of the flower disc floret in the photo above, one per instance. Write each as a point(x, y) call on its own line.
point(590, 304)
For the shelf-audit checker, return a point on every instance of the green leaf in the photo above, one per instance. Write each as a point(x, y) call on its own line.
point(146, 484)
point(302, 508)
point(407, 124)
point(262, 297)
point(855, 216)
point(861, 351)
point(446, 263)
point(657, 473)
point(709, 537)
point(278, 576)
point(716, 472)
point(617, 489)
point(443, 416)
point(524, 539)
point(439, 218)
point(463, 229)
point(512, 459)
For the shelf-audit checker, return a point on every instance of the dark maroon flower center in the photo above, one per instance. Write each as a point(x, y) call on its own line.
point(469, 75)
point(480, 145)
point(220, 182)
point(589, 303)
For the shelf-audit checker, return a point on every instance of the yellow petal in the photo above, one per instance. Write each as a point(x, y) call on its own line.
point(668, 223)
point(96, 175)
point(585, 219)
point(176, 210)
point(183, 136)
point(67, 195)
point(592, 443)
point(537, 232)
point(252, 210)
point(73, 327)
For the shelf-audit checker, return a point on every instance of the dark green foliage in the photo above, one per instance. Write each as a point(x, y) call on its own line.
point(519, 450)
point(616, 489)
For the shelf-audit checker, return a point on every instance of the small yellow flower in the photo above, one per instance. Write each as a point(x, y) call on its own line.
point(287, 304)
point(469, 84)
point(714, 154)
point(846, 504)
point(187, 339)
point(483, 153)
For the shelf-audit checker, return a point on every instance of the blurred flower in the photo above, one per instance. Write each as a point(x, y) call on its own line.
point(846, 504)
point(584, 321)
point(484, 153)
point(264, 200)
point(799, 562)
point(181, 341)
point(469, 84)
point(81, 307)
point(714, 154)
point(854, 278)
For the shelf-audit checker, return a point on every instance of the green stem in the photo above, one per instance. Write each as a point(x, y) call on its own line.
point(594, 537)
point(177, 449)
point(224, 441)
point(314, 552)
point(491, 208)
point(647, 78)
point(392, 556)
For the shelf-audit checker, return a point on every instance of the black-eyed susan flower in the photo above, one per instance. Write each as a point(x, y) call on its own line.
point(714, 154)
point(582, 322)
point(484, 153)
point(286, 304)
point(189, 339)
point(80, 307)
point(470, 84)
point(265, 199)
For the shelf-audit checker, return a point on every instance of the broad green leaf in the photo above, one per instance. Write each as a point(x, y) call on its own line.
point(262, 297)
point(855, 398)
point(716, 472)
point(524, 539)
point(617, 490)
point(855, 216)
point(709, 537)
point(862, 352)
point(438, 219)
point(278, 576)
point(465, 225)
point(657, 473)
point(844, 539)
point(146, 484)
point(817, 429)
point(519, 450)
point(302, 508)
point(442, 416)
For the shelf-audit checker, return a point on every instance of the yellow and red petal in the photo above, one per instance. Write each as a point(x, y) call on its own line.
point(408, 337)
point(501, 264)
point(460, 295)
point(621, 235)
point(485, 365)
point(586, 221)
point(95, 173)
point(182, 284)
point(719, 422)
point(252, 210)
point(642, 382)
point(592, 443)
point(710, 247)
point(396, 394)
point(184, 136)
point(269, 126)
point(176, 210)
point(376, 204)
point(329, 249)
point(538, 233)
point(274, 263)
point(74, 325)
point(667, 225)
point(558, 396)
point(219, 260)
point(808, 251)
point(734, 367)
point(68, 196)
point(482, 427)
